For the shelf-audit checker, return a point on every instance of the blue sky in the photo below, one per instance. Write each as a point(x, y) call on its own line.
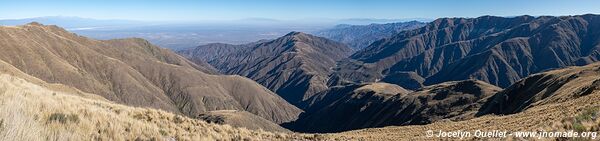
point(206, 10)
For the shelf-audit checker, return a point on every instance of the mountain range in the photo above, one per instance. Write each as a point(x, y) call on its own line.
point(497, 50)
point(446, 70)
point(474, 52)
point(520, 73)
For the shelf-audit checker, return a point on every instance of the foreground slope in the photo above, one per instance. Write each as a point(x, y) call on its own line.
point(37, 112)
point(295, 66)
point(134, 72)
point(559, 100)
point(496, 50)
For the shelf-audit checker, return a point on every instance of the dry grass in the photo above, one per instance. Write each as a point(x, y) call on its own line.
point(552, 117)
point(35, 113)
point(586, 121)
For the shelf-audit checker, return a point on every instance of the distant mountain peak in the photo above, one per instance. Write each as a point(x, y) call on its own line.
point(35, 24)
point(297, 35)
point(293, 33)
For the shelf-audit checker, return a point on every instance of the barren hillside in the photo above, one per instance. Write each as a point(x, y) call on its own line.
point(134, 72)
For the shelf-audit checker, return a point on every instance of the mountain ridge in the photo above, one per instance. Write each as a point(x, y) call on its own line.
point(295, 66)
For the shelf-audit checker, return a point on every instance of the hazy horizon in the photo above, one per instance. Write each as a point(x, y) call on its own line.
point(188, 23)
point(306, 11)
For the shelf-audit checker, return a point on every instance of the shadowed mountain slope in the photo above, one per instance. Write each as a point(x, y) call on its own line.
point(560, 100)
point(550, 87)
point(408, 80)
point(295, 66)
point(496, 50)
point(382, 104)
point(209, 52)
point(134, 72)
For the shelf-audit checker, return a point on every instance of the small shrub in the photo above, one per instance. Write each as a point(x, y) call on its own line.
point(594, 128)
point(163, 132)
point(177, 119)
point(63, 118)
point(278, 136)
point(315, 137)
point(578, 127)
point(60, 117)
point(73, 118)
point(118, 111)
point(586, 116)
point(139, 116)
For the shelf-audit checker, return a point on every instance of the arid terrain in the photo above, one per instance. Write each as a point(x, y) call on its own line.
point(514, 74)
point(58, 112)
